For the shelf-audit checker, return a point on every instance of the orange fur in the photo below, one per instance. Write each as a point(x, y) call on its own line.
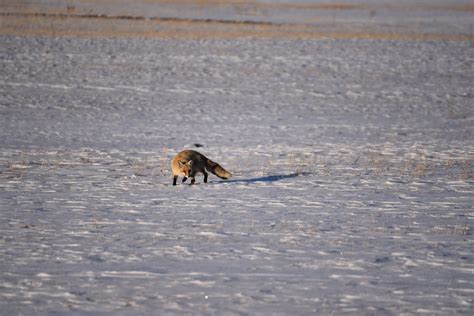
point(188, 163)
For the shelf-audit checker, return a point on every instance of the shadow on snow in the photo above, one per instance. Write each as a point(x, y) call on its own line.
point(272, 178)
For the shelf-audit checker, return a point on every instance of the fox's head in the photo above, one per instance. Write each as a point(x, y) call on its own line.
point(185, 167)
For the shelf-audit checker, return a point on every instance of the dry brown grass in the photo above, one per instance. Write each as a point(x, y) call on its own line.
point(68, 23)
point(16, 169)
point(466, 169)
point(462, 230)
point(164, 162)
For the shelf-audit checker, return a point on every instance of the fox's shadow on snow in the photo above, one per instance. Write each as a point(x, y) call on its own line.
point(271, 178)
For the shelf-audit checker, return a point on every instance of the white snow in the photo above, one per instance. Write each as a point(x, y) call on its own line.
point(352, 188)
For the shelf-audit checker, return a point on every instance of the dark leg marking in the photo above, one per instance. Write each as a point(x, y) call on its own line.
point(174, 180)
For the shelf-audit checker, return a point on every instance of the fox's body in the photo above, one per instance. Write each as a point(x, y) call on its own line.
point(188, 163)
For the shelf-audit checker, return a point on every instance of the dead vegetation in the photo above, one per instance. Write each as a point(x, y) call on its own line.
point(376, 163)
point(75, 20)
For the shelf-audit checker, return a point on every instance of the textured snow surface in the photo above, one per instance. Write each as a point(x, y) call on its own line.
point(352, 190)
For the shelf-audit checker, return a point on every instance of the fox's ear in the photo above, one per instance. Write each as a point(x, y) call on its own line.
point(190, 163)
point(180, 164)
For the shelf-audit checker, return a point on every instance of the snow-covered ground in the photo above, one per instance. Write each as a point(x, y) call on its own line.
point(352, 190)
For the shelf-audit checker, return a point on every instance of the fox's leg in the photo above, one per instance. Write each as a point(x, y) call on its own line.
point(184, 179)
point(174, 180)
point(192, 174)
point(205, 176)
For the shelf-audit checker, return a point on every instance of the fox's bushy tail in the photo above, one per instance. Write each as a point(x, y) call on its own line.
point(216, 169)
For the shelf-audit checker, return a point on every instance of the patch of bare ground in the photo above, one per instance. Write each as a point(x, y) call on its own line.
point(96, 25)
point(250, 19)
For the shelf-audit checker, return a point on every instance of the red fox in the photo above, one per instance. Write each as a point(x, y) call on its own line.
point(189, 162)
